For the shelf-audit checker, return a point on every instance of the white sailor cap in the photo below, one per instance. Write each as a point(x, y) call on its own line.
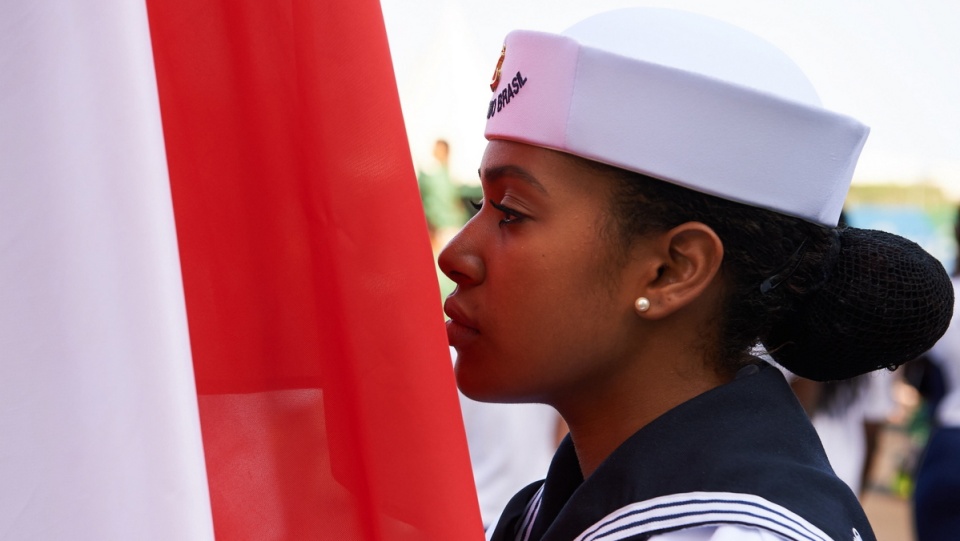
point(683, 98)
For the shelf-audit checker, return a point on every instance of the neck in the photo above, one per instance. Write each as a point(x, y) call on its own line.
point(601, 423)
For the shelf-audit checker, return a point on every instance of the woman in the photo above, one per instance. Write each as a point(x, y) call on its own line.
point(599, 277)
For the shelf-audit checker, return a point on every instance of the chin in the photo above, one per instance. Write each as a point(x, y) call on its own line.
point(484, 389)
point(471, 388)
point(475, 386)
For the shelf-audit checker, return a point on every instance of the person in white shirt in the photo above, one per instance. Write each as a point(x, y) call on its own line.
point(510, 447)
point(936, 495)
point(848, 415)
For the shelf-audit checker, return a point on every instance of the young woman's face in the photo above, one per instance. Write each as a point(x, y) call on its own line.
point(540, 310)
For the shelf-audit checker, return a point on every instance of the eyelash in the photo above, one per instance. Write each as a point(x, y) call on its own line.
point(510, 216)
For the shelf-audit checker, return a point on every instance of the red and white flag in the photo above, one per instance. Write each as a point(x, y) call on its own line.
point(218, 309)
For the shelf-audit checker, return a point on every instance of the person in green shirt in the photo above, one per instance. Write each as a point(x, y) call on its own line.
point(440, 196)
point(442, 206)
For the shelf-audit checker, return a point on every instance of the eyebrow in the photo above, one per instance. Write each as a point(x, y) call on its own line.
point(493, 174)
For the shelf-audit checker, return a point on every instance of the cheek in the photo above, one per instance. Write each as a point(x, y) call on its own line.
point(510, 359)
point(549, 295)
point(543, 335)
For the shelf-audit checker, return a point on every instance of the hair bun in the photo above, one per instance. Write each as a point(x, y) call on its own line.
point(887, 301)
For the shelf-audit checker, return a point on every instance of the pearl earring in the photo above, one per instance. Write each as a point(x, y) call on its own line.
point(642, 304)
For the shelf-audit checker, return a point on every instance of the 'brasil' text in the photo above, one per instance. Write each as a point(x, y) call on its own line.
point(503, 98)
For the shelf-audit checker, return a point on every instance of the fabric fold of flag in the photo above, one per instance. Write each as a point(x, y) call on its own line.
point(326, 394)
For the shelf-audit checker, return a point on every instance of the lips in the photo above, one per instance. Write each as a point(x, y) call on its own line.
point(456, 313)
point(460, 328)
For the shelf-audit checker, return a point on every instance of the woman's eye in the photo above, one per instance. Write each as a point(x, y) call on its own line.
point(510, 216)
point(477, 205)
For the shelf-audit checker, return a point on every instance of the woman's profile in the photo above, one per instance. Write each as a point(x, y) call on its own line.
point(660, 201)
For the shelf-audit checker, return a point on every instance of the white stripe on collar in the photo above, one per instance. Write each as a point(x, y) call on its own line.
point(530, 516)
point(679, 511)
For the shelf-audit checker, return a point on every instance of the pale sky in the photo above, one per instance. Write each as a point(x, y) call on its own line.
point(892, 64)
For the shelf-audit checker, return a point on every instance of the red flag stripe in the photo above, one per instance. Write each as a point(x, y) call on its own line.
point(327, 402)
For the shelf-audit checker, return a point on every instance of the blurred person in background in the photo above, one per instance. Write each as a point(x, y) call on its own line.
point(511, 446)
point(936, 496)
point(848, 415)
point(442, 205)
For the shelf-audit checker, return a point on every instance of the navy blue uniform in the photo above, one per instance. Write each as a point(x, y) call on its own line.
point(743, 453)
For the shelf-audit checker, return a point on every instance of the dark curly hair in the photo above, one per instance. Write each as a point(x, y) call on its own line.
point(827, 303)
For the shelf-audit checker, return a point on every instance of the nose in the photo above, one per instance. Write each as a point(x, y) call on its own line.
point(460, 259)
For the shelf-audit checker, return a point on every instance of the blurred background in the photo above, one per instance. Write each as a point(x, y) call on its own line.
point(892, 64)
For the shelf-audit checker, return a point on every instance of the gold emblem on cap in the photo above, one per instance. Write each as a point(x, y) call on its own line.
point(496, 73)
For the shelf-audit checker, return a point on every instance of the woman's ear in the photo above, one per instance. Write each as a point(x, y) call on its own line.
point(689, 258)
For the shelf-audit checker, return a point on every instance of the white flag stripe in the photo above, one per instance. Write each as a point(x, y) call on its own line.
point(98, 408)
